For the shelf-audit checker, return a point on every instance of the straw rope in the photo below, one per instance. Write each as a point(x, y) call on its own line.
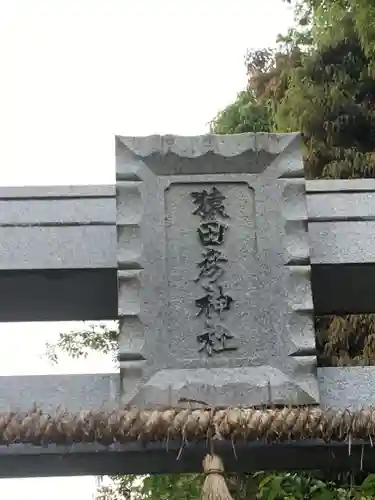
point(124, 425)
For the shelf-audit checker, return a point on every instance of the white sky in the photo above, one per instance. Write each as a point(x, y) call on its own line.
point(76, 72)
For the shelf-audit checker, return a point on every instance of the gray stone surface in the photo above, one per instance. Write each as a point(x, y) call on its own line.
point(340, 185)
point(267, 272)
point(58, 253)
point(57, 247)
point(341, 228)
point(60, 192)
point(220, 386)
point(341, 221)
point(343, 206)
point(67, 211)
point(42, 242)
point(69, 227)
point(50, 392)
point(350, 388)
point(351, 242)
point(33, 241)
point(50, 207)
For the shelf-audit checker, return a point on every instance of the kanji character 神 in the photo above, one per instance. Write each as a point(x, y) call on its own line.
point(210, 303)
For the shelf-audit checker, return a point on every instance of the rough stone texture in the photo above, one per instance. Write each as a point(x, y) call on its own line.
point(72, 211)
point(341, 221)
point(57, 228)
point(344, 206)
point(257, 384)
point(58, 253)
point(49, 392)
point(57, 247)
point(340, 185)
point(349, 387)
point(341, 232)
point(267, 272)
point(59, 192)
point(341, 226)
point(344, 242)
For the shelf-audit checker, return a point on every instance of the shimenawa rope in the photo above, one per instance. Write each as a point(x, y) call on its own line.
point(234, 424)
point(131, 424)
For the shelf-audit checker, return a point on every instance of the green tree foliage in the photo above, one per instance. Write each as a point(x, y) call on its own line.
point(327, 16)
point(292, 486)
point(330, 99)
point(90, 337)
point(260, 486)
point(246, 114)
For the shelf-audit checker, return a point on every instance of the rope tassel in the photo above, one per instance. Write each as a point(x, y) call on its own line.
point(214, 486)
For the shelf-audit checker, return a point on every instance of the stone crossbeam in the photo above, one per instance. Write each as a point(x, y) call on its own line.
point(341, 227)
point(58, 253)
point(20, 460)
point(58, 250)
point(214, 254)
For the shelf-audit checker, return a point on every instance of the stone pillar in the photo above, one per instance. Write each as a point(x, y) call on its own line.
point(215, 300)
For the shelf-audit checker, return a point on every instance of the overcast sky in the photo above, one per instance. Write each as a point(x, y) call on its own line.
point(76, 72)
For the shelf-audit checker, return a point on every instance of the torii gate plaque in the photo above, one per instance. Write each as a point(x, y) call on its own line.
point(213, 270)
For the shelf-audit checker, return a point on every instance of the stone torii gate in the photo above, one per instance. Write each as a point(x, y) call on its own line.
point(214, 252)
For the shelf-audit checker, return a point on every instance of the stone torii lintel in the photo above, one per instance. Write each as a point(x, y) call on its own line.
point(78, 252)
point(58, 250)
